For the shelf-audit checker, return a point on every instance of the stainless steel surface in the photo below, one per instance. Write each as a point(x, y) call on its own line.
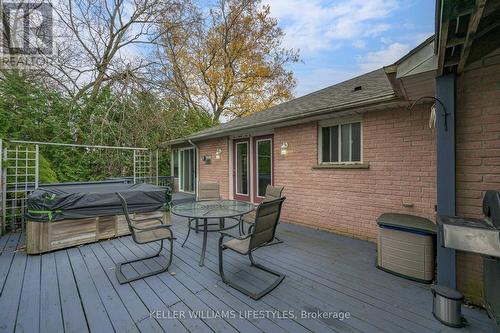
point(474, 235)
point(471, 235)
point(480, 236)
point(448, 311)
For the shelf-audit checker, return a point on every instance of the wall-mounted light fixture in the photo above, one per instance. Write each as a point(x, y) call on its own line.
point(218, 152)
point(284, 149)
point(207, 159)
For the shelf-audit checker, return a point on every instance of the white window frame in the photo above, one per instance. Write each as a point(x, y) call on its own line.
point(339, 122)
point(257, 164)
point(248, 168)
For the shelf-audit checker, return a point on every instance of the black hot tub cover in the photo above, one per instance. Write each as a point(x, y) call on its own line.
point(76, 201)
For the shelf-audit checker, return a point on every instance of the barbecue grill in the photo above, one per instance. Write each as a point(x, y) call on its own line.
point(480, 236)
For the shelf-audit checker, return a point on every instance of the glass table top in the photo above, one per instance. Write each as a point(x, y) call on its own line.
point(212, 209)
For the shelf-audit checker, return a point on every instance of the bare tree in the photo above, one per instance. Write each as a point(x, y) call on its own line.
point(103, 43)
point(230, 61)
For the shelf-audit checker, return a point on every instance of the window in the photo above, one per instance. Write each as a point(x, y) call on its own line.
point(341, 143)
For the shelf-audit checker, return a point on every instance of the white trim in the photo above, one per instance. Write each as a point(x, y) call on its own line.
point(248, 168)
point(339, 122)
point(257, 164)
point(230, 168)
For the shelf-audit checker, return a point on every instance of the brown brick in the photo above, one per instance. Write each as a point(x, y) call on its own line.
point(478, 120)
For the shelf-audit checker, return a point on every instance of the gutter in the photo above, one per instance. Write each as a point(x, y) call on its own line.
point(381, 98)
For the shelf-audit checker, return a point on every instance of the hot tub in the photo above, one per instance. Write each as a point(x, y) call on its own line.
point(64, 215)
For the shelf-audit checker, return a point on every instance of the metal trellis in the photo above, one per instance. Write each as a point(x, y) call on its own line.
point(19, 178)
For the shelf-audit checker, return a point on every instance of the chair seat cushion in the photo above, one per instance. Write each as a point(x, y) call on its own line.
point(152, 235)
point(238, 245)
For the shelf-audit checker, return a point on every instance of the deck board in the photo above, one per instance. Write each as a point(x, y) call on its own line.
point(300, 296)
point(117, 312)
point(72, 311)
point(7, 256)
point(11, 293)
point(75, 290)
point(253, 281)
point(187, 295)
point(138, 311)
point(148, 296)
point(50, 303)
point(29, 304)
point(95, 312)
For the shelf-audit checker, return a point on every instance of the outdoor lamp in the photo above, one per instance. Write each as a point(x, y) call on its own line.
point(218, 152)
point(284, 148)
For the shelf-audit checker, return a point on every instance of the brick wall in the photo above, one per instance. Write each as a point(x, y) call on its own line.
point(218, 170)
point(478, 159)
point(400, 149)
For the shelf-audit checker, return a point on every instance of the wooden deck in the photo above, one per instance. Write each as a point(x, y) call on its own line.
point(75, 290)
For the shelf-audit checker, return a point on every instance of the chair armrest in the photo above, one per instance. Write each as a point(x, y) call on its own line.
point(149, 219)
point(225, 234)
point(154, 227)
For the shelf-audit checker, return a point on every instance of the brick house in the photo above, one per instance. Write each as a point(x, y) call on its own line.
point(354, 150)
point(392, 151)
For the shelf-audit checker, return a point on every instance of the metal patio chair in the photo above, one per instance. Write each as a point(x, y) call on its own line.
point(153, 230)
point(206, 191)
point(261, 234)
point(272, 193)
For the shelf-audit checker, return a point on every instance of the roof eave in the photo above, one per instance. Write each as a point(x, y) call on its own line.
point(380, 99)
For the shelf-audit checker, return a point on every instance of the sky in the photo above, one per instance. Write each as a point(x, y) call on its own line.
point(340, 39)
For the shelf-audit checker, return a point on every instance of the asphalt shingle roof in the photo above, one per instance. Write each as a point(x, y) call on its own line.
point(373, 84)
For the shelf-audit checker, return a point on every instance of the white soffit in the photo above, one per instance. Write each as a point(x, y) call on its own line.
point(424, 60)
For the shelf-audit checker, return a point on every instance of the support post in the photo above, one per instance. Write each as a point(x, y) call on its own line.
point(445, 92)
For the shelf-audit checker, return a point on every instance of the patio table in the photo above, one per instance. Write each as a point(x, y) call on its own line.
point(216, 209)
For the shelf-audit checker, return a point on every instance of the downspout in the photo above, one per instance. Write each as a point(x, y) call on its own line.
point(197, 166)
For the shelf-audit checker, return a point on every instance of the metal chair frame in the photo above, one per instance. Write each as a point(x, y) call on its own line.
point(222, 248)
point(133, 230)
